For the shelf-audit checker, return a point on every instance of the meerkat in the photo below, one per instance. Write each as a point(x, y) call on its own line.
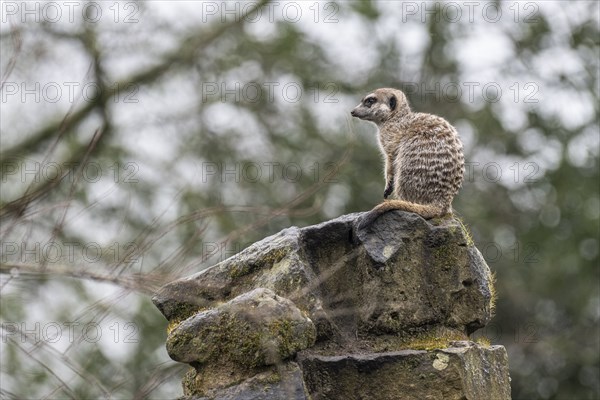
point(424, 162)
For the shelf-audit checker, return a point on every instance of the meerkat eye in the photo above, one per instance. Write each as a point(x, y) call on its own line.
point(393, 103)
point(370, 101)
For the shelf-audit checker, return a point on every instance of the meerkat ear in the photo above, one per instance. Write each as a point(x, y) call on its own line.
point(393, 102)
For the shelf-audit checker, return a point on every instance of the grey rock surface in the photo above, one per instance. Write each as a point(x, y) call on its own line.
point(328, 290)
point(467, 371)
point(289, 385)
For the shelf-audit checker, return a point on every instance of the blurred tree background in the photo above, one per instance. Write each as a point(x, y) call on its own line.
point(145, 141)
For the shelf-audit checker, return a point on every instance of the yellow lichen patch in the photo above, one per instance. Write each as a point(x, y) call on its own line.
point(267, 260)
point(282, 265)
point(183, 312)
point(238, 270)
point(483, 341)
point(174, 323)
point(441, 361)
point(493, 293)
point(432, 341)
point(276, 255)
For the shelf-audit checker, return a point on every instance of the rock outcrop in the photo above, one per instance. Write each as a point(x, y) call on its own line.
point(333, 312)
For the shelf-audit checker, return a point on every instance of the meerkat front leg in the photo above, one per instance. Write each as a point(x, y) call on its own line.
point(388, 189)
point(389, 177)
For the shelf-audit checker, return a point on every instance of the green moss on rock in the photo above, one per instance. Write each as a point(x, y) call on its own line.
point(256, 329)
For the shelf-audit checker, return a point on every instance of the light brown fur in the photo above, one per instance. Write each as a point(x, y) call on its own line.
point(424, 163)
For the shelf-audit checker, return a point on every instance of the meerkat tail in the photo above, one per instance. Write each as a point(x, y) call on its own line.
point(426, 211)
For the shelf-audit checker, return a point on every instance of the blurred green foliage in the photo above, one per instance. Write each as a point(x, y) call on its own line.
point(241, 128)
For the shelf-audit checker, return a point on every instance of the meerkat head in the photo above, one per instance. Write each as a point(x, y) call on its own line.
point(381, 105)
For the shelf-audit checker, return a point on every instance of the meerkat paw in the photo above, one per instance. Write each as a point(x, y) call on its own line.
point(388, 190)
